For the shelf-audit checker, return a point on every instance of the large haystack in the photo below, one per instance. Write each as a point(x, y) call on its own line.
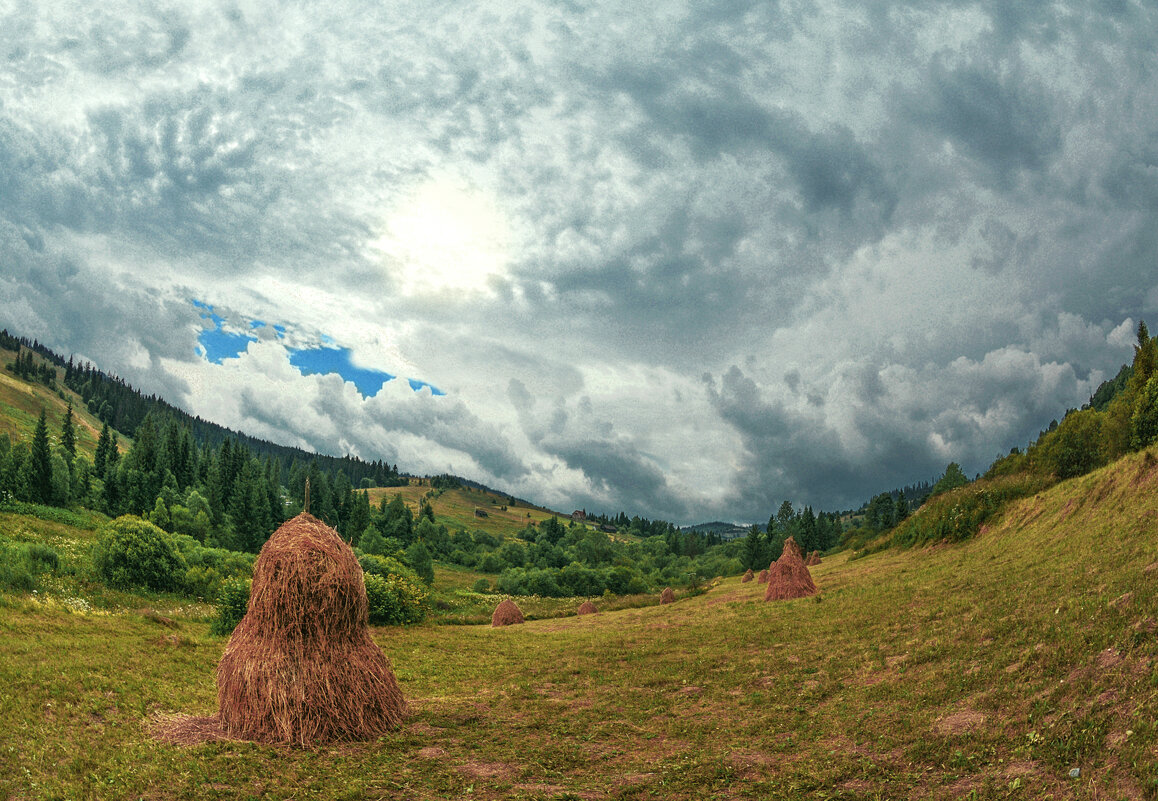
point(667, 596)
point(507, 614)
point(788, 577)
point(300, 667)
point(763, 577)
point(813, 559)
point(748, 576)
point(587, 608)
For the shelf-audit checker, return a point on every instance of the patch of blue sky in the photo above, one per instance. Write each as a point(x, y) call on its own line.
point(320, 361)
point(217, 344)
point(257, 323)
point(417, 385)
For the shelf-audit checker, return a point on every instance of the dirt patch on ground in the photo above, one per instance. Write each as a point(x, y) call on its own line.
point(963, 721)
point(1109, 658)
point(487, 770)
point(432, 752)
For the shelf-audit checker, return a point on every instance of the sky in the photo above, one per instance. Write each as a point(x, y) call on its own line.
point(686, 260)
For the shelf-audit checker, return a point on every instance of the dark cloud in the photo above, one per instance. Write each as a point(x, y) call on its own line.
point(914, 232)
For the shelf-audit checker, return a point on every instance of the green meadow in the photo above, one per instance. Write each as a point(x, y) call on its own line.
point(993, 668)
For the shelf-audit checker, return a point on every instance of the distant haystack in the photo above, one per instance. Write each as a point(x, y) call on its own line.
point(667, 596)
point(507, 614)
point(300, 667)
point(748, 576)
point(587, 608)
point(763, 577)
point(788, 577)
point(813, 559)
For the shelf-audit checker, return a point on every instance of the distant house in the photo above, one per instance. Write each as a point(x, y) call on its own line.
point(480, 513)
point(579, 516)
point(608, 529)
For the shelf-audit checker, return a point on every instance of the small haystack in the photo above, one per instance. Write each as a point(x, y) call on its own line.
point(813, 559)
point(300, 667)
point(587, 608)
point(788, 577)
point(748, 576)
point(667, 596)
point(763, 577)
point(507, 614)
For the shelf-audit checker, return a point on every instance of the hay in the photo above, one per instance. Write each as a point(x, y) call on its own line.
point(587, 608)
point(667, 596)
point(507, 614)
point(300, 667)
point(763, 577)
point(813, 559)
point(788, 577)
point(748, 576)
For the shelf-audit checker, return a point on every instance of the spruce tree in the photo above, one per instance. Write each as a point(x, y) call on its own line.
point(40, 468)
point(68, 434)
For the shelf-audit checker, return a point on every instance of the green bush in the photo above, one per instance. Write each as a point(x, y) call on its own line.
point(134, 553)
point(394, 600)
point(232, 601)
point(482, 586)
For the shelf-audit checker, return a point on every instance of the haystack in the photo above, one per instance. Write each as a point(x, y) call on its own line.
point(300, 667)
point(788, 577)
point(507, 614)
point(667, 596)
point(748, 576)
point(587, 608)
point(763, 577)
point(813, 559)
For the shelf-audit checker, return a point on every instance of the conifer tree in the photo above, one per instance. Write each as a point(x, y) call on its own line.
point(40, 464)
point(68, 434)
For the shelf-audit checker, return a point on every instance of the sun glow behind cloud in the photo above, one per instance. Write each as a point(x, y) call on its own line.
point(445, 237)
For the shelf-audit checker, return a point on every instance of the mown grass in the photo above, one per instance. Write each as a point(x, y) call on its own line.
point(986, 669)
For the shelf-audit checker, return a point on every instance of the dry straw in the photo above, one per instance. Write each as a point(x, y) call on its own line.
point(587, 608)
point(748, 576)
point(667, 596)
point(813, 559)
point(763, 577)
point(788, 577)
point(301, 667)
point(507, 614)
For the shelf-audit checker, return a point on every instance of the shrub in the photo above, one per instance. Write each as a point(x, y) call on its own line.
point(394, 600)
point(482, 586)
point(135, 553)
point(232, 601)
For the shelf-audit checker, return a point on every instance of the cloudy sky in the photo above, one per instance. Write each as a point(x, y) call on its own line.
point(686, 260)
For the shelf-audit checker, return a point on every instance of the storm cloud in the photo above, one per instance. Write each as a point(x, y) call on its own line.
point(685, 261)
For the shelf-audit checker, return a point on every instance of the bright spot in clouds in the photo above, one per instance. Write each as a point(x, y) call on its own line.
point(443, 237)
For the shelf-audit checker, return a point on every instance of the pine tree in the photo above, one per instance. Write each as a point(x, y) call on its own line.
point(40, 467)
point(68, 434)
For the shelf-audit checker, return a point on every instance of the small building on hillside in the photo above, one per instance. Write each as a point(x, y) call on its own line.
point(579, 516)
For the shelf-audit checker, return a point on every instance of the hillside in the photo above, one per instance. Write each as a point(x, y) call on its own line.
point(987, 669)
point(21, 402)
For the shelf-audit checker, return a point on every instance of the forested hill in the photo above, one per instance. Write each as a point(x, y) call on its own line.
point(115, 402)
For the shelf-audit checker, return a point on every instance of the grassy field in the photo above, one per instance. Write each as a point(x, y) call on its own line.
point(989, 669)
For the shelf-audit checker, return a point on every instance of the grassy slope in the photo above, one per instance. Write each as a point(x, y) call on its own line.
point(456, 508)
point(21, 402)
point(983, 670)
